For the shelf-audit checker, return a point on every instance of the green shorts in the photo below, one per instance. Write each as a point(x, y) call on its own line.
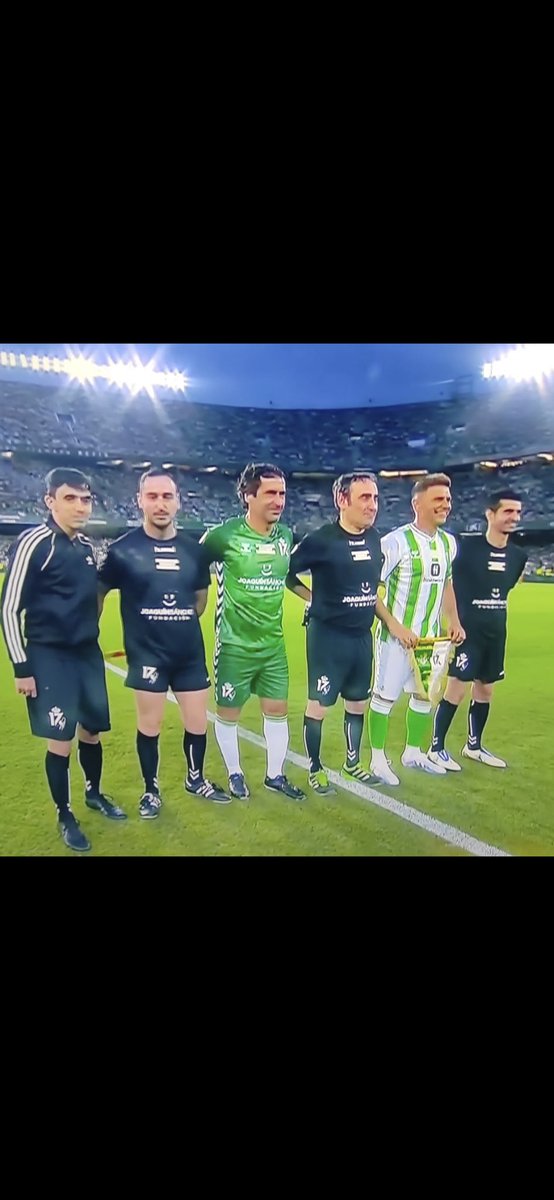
point(240, 675)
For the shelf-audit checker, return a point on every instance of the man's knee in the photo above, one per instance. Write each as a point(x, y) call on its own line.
point(356, 707)
point(455, 691)
point(229, 716)
point(274, 708)
point(61, 749)
point(91, 739)
point(316, 711)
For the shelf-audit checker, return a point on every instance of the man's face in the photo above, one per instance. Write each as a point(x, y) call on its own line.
point(159, 501)
point(433, 506)
point(270, 501)
point(360, 508)
point(506, 518)
point(70, 506)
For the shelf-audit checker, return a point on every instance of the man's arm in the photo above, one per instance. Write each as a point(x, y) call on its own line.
point(108, 577)
point(450, 610)
point(213, 543)
point(103, 590)
point(295, 585)
point(391, 553)
point(302, 559)
point(20, 580)
point(201, 601)
point(522, 566)
point(405, 636)
point(203, 579)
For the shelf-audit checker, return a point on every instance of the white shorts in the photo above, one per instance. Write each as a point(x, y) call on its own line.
point(393, 670)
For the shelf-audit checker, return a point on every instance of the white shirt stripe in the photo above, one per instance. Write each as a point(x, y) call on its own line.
point(12, 597)
point(47, 560)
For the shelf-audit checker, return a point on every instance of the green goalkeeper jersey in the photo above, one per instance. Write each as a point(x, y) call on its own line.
point(251, 569)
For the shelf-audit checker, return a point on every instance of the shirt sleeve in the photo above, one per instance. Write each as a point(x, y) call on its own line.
point(521, 564)
point(392, 553)
point(26, 556)
point(453, 547)
point(214, 543)
point(204, 577)
point(305, 555)
point(110, 572)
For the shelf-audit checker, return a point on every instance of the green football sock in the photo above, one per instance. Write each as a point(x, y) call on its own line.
point(418, 727)
point(378, 727)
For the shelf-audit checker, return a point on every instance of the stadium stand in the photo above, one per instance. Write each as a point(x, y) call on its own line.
point(69, 420)
point(114, 438)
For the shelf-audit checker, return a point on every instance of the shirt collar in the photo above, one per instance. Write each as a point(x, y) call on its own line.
point(52, 524)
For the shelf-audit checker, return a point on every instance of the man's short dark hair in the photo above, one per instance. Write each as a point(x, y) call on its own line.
point(251, 478)
point(68, 476)
point(495, 499)
point(429, 481)
point(155, 473)
point(343, 485)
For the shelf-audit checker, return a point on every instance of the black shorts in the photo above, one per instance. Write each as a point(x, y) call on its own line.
point(480, 657)
point(339, 664)
point(188, 676)
point(71, 690)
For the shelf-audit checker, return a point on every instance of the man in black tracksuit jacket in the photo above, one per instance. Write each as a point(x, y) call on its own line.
point(58, 665)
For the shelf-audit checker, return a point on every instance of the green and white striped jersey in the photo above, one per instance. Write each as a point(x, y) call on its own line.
point(416, 569)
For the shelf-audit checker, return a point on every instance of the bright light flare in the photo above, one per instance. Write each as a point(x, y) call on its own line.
point(135, 376)
point(531, 361)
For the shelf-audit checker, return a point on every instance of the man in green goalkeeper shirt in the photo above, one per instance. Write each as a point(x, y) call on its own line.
point(252, 555)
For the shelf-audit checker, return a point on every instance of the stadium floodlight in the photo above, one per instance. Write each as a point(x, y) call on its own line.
point(530, 361)
point(80, 368)
point(135, 376)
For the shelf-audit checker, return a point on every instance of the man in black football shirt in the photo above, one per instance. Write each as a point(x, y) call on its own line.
point(163, 582)
point(485, 570)
point(345, 560)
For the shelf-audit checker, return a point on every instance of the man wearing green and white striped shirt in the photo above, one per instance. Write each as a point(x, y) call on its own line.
point(418, 575)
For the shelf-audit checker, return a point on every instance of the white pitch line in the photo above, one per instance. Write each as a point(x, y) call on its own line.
point(446, 833)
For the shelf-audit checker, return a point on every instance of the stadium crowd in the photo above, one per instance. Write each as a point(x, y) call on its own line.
point(84, 423)
point(208, 499)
